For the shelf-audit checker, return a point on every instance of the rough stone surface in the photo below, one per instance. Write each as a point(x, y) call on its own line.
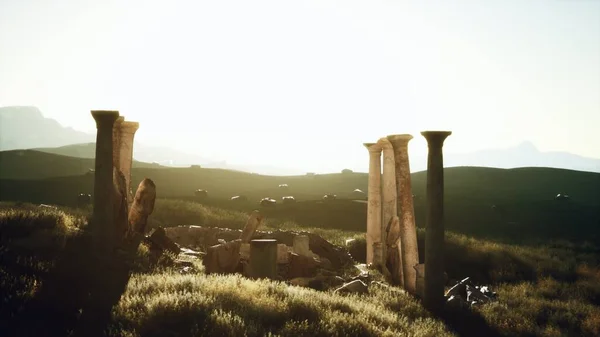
point(222, 258)
point(126, 135)
point(254, 220)
point(263, 258)
point(393, 259)
point(120, 205)
point(301, 266)
point(408, 229)
point(158, 240)
point(420, 279)
point(142, 207)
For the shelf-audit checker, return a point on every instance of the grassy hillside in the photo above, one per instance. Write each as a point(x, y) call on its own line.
point(546, 290)
point(523, 199)
point(85, 150)
point(32, 164)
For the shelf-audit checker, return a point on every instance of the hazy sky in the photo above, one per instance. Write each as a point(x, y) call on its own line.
point(304, 83)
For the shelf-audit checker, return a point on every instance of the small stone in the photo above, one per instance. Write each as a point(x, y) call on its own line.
point(356, 286)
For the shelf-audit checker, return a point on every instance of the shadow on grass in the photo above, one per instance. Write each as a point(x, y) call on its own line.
point(77, 295)
point(467, 323)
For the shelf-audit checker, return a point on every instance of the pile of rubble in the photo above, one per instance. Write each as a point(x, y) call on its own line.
point(302, 258)
point(467, 295)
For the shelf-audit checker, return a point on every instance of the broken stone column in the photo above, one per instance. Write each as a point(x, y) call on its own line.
point(374, 227)
point(434, 239)
point(301, 245)
point(263, 258)
point(103, 217)
point(408, 229)
point(254, 220)
point(142, 207)
point(116, 139)
point(127, 132)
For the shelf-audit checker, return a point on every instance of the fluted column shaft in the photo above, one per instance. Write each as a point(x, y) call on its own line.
point(408, 229)
point(434, 240)
point(103, 217)
point(127, 133)
point(374, 227)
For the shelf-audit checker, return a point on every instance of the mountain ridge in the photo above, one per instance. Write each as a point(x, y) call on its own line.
point(16, 123)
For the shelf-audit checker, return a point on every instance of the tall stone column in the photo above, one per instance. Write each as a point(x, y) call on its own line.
point(127, 132)
point(389, 196)
point(374, 226)
point(408, 229)
point(116, 139)
point(434, 239)
point(389, 204)
point(103, 217)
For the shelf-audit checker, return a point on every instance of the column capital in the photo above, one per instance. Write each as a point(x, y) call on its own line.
point(436, 137)
point(373, 147)
point(105, 117)
point(400, 139)
point(385, 144)
point(129, 127)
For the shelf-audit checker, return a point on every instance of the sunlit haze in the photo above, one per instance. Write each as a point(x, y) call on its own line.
point(302, 84)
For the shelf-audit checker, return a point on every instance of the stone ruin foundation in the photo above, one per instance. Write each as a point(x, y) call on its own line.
point(119, 217)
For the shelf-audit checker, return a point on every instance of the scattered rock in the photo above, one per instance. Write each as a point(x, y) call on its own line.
point(158, 241)
point(465, 294)
point(301, 266)
point(356, 286)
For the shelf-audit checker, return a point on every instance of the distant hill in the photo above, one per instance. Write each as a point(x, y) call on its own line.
point(17, 126)
point(31, 165)
point(24, 127)
point(517, 204)
point(523, 155)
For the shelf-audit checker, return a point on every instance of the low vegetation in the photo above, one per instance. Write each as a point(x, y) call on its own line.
point(551, 289)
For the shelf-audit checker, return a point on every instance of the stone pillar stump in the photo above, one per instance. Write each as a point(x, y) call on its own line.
point(263, 258)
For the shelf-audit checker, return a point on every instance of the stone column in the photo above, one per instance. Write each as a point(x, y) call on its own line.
point(116, 139)
point(434, 239)
point(127, 131)
point(389, 196)
point(103, 217)
point(263, 258)
point(408, 229)
point(374, 226)
point(389, 204)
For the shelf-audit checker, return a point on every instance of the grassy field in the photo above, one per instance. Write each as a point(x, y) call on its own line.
point(34, 164)
point(551, 289)
point(515, 205)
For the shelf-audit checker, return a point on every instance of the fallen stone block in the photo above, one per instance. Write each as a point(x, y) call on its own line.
point(158, 240)
point(301, 266)
point(222, 258)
